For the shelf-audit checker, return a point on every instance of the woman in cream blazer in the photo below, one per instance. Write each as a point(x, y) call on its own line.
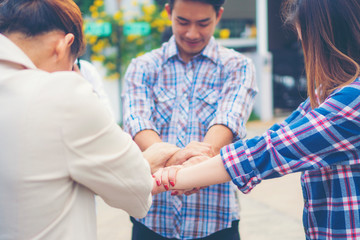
point(59, 145)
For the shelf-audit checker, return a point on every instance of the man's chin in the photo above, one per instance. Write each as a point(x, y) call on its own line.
point(193, 51)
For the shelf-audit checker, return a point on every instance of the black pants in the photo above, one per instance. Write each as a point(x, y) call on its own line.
point(141, 232)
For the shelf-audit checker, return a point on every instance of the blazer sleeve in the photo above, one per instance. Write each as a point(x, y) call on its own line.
point(101, 156)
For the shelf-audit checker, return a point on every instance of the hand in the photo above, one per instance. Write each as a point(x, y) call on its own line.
point(195, 160)
point(191, 150)
point(206, 173)
point(165, 179)
point(203, 147)
point(158, 153)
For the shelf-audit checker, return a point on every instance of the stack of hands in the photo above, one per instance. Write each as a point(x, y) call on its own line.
point(166, 160)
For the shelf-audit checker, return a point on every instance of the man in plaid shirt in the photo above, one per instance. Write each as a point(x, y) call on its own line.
point(191, 92)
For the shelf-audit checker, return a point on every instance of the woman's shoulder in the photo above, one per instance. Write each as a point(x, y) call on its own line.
point(58, 87)
point(356, 83)
point(345, 97)
point(352, 88)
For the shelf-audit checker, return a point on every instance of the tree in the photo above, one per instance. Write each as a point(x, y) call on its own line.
point(84, 5)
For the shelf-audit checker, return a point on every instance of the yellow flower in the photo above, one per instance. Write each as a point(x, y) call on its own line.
point(168, 22)
point(99, 58)
point(99, 46)
point(111, 66)
point(113, 76)
point(131, 38)
point(95, 15)
point(140, 41)
point(157, 23)
point(99, 3)
point(161, 28)
point(117, 15)
point(92, 40)
point(253, 32)
point(134, 3)
point(93, 8)
point(96, 48)
point(149, 9)
point(140, 54)
point(164, 14)
point(147, 18)
point(224, 33)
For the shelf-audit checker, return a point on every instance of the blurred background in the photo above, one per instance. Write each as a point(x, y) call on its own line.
point(119, 30)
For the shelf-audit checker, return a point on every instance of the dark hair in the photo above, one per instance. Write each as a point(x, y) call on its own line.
point(217, 4)
point(34, 17)
point(330, 36)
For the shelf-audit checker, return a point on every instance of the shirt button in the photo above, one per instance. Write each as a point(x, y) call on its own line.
point(190, 74)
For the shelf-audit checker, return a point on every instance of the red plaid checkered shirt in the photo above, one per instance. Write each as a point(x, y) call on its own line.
point(323, 144)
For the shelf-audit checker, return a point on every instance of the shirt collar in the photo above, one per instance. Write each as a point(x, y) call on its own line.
point(210, 51)
point(10, 52)
point(171, 49)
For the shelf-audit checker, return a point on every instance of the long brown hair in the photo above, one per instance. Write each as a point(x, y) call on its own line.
point(34, 17)
point(330, 35)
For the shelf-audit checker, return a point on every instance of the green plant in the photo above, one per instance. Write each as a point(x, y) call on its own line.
point(116, 48)
point(84, 5)
point(253, 117)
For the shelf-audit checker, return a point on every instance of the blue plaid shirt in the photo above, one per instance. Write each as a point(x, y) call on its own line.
point(181, 102)
point(324, 144)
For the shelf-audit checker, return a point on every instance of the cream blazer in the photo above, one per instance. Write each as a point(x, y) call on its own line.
point(58, 147)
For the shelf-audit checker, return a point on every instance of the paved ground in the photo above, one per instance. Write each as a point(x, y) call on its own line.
point(272, 211)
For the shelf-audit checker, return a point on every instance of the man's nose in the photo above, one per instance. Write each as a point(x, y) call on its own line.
point(193, 32)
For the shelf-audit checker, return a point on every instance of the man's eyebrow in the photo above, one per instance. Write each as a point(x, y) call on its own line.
point(183, 19)
point(200, 21)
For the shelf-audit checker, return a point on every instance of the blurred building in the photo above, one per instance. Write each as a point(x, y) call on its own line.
point(256, 30)
point(275, 50)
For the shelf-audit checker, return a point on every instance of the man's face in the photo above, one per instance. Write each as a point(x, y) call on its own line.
point(193, 24)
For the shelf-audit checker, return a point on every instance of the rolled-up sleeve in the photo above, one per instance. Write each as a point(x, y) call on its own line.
point(307, 140)
point(136, 100)
point(237, 96)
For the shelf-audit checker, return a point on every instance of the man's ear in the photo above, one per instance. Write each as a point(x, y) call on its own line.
point(219, 15)
point(63, 46)
point(168, 10)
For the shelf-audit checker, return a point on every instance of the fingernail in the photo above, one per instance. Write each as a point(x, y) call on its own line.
point(166, 187)
point(174, 193)
point(158, 182)
point(153, 176)
point(172, 183)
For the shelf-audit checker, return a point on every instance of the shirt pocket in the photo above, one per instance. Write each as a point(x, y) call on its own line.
point(206, 105)
point(164, 104)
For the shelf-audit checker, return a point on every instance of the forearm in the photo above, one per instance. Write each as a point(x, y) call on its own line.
point(218, 136)
point(207, 173)
point(146, 138)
